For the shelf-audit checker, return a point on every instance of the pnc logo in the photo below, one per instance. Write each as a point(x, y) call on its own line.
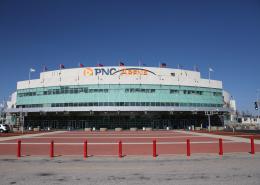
point(88, 72)
point(113, 71)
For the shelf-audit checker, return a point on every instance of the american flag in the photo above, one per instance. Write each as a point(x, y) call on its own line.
point(163, 65)
point(100, 65)
point(44, 68)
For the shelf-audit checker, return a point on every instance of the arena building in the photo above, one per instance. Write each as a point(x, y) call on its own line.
point(118, 96)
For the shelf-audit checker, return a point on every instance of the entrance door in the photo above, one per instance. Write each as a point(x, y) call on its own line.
point(73, 124)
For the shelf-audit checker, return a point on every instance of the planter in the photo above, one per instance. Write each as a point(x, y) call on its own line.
point(103, 129)
point(133, 129)
point(118, 129)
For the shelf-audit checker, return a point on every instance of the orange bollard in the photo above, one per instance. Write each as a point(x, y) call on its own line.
point(52, 149)
point(188, 147)
point(120, 155)
point(252, 145)
point(220, 147)
point(19, 148)
point(85, 149)
point(154, 148)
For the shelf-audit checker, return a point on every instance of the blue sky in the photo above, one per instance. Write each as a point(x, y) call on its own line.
point(223, 34)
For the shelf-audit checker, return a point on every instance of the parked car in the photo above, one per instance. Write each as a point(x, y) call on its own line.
point(4, 128)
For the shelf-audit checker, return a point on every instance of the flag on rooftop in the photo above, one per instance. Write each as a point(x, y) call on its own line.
point(100, 65)
point(196, 68)
point(210, 69)
point(121, 64)
point(163, 65)
point(141, 63)
point(62, 66)
point(44, 68)
point(180, 66)
point(32, 70)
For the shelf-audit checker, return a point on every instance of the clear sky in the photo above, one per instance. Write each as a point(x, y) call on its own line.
point(223, 34)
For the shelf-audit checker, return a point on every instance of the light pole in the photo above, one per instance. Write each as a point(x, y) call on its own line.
point(1, 112)
point(209, 113)
point(21, 119)
point(258, 102)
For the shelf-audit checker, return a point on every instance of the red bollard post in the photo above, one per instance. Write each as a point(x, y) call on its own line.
point(19, 148)
point(154, 148)
point(252, 145)
point(220, 147)
point(188, 147)
point(52, 149)
point(85, 149)
point(120, 155)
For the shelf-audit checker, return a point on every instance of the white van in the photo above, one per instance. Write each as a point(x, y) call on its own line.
point(4, 128)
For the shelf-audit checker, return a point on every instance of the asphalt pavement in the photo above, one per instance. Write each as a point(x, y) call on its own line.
point(231, 169)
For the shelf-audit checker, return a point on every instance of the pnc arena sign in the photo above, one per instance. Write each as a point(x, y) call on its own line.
point(112, 71)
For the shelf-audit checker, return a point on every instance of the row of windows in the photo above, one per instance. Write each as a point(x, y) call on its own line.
point(138, 90)
point(65, 91)
point(90, 104)
point(217, 93)
point(27, 94)
point(173, 91)
point(192, 92)
point(30, 106)
point(74, 91)
point(128, 90)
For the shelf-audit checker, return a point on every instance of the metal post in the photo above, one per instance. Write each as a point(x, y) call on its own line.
point(154, 148)
point(120, 155)
point(19, 148)
point(252, 145)
point(85, 149)
point(52, 149)
point(188, 147)
point(220, 146)
point(209, 123)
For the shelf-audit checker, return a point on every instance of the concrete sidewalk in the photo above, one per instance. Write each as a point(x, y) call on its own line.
point(231, 138)
point(30, 135)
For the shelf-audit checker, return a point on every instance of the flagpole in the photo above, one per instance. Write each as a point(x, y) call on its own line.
point(29, 76)
point(30, 70)
point(209, 75)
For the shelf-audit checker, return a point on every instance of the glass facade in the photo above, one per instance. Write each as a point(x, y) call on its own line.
point(119, 95)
